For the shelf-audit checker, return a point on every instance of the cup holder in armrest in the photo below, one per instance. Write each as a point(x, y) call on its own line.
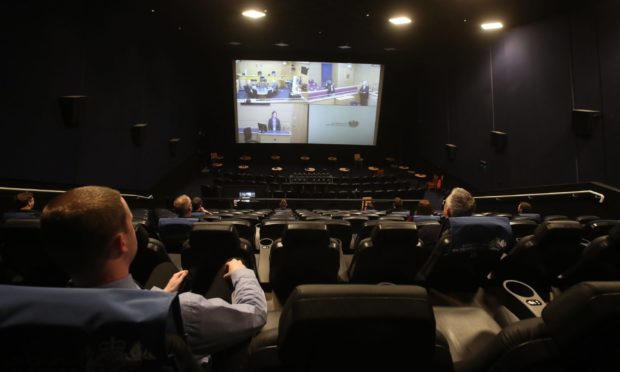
point(265, 243)
point(526, 303)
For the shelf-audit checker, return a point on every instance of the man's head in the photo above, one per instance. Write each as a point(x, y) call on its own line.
point(183, 206)
point(524, 207)
point(459, 203)
point(424, 208)
point(398, 203)
point(283, 204)
point(196, 203)
point(88, 232)
point(24, 200)
point(274, 114)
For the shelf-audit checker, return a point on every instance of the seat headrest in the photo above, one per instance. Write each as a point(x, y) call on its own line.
point(394, 233)
point(77, 326)
point(321, 321)
point(531, 216)
point(213, 234)
point(614, 236)
point(560, 230)
point(22, 223)
point(583, 308)
point(491, 232)
point(177, 221)
point(142, 235)
point(306, 234)
point(423, 218)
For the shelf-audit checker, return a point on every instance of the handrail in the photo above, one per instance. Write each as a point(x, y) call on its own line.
point(135, 196)
point(598, 195)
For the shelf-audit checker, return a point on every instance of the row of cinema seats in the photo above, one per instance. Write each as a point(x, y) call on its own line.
point(321, 327)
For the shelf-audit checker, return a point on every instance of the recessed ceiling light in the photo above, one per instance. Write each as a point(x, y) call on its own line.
point(253, 13)
point(389, 49)
point(234, 43)
point(344, 46)
point(401, 20)
point(281, 44)
point(492, 26)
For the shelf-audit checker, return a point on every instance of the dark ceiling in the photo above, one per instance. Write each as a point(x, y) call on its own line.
point(323, 25)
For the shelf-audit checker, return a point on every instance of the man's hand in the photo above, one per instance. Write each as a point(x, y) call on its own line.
point(232, 266)
point(175, 282)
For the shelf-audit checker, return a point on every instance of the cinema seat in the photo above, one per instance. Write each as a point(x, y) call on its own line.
point(304, 255)
point(391, 254)
point(466, 253)
point(522, 228)
point(210, 246)
point(576, 332)
point(95, 329)
point(539, 258)
point(595, 228)
point(600, 261)
point(347, 327)
point(174, 232)
point(151, 252)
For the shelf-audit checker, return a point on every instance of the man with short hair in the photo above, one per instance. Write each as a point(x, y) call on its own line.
point(524, 207)
point(183, 206)
point(197, 206)
point(459, 203)
point(25, 201)
point(89, 229)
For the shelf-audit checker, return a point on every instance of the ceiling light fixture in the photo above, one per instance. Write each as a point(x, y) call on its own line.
point(344, 46)
point(389, 49)
point(489, 26)
point(235, 43)
point(253, 13)
point(281, 44)
point(400, 20)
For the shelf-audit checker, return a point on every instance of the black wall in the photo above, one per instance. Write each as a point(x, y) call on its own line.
point(135, 66)
point(523, 81)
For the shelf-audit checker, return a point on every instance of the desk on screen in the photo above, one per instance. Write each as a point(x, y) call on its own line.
point(278, 136)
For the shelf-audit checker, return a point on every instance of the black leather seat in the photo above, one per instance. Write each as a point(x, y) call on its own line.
point(349, 327)
point(364, 232)
point(341, 230)
point(356, 222)
point(600, 261)
point(210, 246)
point(245, 229)
point(391, 254)
point(578, 331)
point(429, 232)
point(595, 228)
point(304, 255)
point(538, 259)
point(467, 252)
point(174, 232)
point(522, 228)
point(151, 252)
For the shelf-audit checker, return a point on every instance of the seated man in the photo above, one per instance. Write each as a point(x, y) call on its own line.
point(197, 206)
point(183, 206)
point(90, 233)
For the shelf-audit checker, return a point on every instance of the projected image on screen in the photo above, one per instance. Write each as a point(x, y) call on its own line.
point(307, 102)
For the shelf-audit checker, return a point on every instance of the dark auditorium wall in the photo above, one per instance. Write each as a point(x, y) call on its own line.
point(535, 70)
point(135, 66)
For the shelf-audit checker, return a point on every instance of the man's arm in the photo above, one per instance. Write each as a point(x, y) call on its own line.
point(213, 324)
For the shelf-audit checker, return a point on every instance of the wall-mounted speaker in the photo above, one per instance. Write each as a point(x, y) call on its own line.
point(173, 144)
point(138, 134)
point(72, 110)
point(450, 151)
point(585, 122)
point(304, 70)
point(499, 140)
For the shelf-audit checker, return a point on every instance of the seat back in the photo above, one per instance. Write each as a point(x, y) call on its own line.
point(174, 232)
point(522, 228)
point(341, 230)
point(356, 222)
point(71, 329)
point(596, 228)
point(573, 334)
point(391, 254)
point(466, 253)
point(429, 232)
point(304, 255)
point(244, 228)
point(600, 261)
point(364, 232)
point(24, 259)
point(211, 245)
point(272, 229)
point(357, 328)
point(151, 252)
